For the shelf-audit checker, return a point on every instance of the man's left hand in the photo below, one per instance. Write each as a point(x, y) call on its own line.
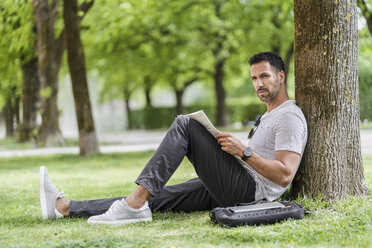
point(230, 144)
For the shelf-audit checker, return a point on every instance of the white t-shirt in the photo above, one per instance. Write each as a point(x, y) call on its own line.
point(283, 128)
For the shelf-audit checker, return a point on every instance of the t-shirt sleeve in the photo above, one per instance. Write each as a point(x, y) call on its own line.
point(290, 134)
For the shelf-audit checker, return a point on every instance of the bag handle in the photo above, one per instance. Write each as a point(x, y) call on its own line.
point(264, 200)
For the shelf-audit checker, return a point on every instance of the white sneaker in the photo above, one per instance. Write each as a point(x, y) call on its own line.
point(120, 213)
point(48, 196)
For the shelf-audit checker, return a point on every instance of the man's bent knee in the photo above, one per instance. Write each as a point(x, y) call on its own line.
point(182, 120)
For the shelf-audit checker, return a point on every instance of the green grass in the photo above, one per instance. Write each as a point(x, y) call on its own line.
point(366, 125)
point(338, 224)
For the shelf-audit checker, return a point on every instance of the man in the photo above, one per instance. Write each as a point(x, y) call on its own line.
point(266, 169)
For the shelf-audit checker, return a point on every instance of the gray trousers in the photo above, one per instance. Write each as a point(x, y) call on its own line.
point(222, 181)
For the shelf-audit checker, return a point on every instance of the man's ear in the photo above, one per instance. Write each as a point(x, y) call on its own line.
point(281, 75)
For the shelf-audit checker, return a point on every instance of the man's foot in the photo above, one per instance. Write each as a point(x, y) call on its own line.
point(120, 213)
point(48, 196)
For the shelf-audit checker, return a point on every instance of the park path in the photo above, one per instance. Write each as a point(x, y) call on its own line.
point(141, 141)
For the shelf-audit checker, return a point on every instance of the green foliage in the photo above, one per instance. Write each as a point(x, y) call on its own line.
point(16, 45)
point(46, 92)
point(365, 74)
point(16, 28)
point(330, 224)
point(172, 42)
point(365, 86)
point(162, 117)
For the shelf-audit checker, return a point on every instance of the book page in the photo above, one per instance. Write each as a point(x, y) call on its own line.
point(202, 118)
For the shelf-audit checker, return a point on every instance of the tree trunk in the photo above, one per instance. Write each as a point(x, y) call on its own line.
point(275, 20)
point(220, 94)
point(128, 110)
point(287, 61)
point(148, 97)
point(179, 104)
point(326, 64)
point(219, 73)
point(75, 54)
point(30, 100)
point(17, 101)
point(9, 118)
point(148, 86)
point(49, 61)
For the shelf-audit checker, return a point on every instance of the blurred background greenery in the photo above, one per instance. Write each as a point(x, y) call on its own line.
point(149, 60)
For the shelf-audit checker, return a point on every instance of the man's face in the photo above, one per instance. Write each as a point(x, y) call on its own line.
point(266, 81)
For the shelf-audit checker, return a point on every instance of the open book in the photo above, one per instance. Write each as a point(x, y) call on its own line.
point(202, 118)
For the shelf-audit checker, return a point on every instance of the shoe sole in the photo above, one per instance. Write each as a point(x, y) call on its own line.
point(44, 211)
point(118, 222)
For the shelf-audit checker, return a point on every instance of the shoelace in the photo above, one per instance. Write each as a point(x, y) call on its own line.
point(113, 208)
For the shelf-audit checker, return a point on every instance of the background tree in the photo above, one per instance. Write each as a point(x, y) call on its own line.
point(10, 89)
point(178, 40)
point(326, 62)
point(365, 73)
point(75, 55)
point(366, 10)
point(18, 63)
point(120, 77)
point(30, 100)
point(50, 51)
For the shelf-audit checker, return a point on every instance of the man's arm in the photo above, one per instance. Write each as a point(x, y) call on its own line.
point(281, 170)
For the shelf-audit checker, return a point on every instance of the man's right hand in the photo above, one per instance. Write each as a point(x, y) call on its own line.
point(230, 144)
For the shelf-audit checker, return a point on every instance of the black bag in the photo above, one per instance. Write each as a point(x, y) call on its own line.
point(256, 213)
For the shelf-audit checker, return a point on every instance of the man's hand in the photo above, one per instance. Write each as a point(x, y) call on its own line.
point(230, 144)
point(280, 170)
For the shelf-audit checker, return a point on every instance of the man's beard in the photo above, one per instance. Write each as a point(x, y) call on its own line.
point(271, 94)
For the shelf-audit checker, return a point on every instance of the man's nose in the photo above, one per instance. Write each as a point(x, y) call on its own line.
point(259, 82)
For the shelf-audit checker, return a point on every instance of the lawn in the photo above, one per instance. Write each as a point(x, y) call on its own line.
point(345, 223)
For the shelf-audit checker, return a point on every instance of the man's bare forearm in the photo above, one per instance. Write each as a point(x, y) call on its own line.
point(274, 170)
point(280, 170)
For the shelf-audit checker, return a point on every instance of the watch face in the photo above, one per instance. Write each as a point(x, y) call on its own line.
point(247, 152)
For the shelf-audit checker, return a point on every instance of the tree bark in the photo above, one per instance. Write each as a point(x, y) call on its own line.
point(75, 55)
point(287, 61)
point(17, 101)
point(219, 74)
point(30, 100)
point(179, 104)
point(220, 93)
point(180, 91)
point(326, 72)
point(148, 83)
point(49, 61)
point(276, 45)
point(127, 95)
point(9, 118)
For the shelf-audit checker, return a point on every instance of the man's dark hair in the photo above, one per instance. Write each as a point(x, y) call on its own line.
point(275, 60)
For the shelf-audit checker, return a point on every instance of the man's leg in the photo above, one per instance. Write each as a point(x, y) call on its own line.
point(185, 197)
point(222, 175)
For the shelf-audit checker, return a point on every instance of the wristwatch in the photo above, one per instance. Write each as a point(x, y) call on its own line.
point(247, 152)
